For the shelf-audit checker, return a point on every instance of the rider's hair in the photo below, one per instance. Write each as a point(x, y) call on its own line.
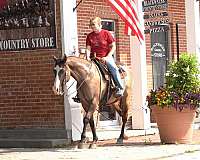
point(95, 20)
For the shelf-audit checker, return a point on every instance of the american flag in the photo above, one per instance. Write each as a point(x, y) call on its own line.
point(127, 10)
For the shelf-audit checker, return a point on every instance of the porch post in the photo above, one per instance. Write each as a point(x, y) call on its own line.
point(193, 27)
point(73, 116)
point(140, 113)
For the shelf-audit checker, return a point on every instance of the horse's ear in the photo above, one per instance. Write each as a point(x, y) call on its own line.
point(54, 58)
point(64, 58)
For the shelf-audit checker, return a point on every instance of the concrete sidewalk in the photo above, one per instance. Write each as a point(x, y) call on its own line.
point(113, 133)
point(126, 152)
point(146, 147)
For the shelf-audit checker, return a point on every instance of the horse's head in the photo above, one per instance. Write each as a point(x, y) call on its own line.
point(62, 74)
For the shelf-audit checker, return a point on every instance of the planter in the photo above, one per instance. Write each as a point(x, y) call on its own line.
point(174, 126)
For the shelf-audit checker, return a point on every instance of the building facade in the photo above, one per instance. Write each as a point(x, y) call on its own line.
point(28, 107)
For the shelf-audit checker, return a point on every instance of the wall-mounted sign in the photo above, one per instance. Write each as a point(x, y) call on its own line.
point(161, 28)
point(27, 24)
point(155, 15)
point(160, 57)
point(151, 5)
point(156, 20)
point(158, 50)
point(156, 23)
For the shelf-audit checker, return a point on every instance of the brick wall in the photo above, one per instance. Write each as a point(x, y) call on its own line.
point(26, 97)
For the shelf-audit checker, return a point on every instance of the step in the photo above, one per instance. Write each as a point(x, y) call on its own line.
point(33, 143)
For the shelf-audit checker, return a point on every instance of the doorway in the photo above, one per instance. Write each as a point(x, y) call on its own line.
point(108, 117)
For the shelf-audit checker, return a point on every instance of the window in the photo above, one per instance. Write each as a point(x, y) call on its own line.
point(110, 26)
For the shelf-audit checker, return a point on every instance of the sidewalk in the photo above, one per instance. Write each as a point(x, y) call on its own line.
point(113, 133)
point(135, 148)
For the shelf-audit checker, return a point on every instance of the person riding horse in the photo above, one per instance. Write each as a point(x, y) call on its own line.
point(100, 44)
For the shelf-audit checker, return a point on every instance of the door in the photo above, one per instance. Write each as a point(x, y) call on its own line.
point(108, 116)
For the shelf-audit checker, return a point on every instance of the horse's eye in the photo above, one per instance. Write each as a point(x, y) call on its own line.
point(61, 72)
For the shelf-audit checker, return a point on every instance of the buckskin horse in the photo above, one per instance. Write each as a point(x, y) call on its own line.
point(92, 89)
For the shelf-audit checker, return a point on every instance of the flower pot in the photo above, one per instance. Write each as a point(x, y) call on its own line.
point(174, 126)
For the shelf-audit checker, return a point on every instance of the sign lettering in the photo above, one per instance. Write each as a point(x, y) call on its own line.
point(156, 23)
point(28, 43)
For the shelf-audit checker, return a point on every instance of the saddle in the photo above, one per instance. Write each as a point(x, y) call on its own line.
point(108, 77)
point(106, 73)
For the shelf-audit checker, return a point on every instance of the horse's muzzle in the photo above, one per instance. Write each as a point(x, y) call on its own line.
point(57, 91)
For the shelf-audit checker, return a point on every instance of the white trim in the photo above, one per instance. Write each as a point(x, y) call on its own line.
point(69, 37)
point(192, 26)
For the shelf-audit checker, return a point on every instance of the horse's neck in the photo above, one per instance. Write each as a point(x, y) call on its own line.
point(79, 68)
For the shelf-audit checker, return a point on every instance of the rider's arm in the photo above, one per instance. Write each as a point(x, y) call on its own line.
point(113, 49)
point(88, 50)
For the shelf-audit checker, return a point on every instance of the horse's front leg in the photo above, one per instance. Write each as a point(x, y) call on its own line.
point(87, 119)
point(83, 135)
point(93, 128)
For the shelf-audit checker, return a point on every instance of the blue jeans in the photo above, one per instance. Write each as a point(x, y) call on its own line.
point(112, 67)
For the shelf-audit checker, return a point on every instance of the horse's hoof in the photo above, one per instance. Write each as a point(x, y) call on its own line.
point(83, 146)
point(119, 141)
point(93, 146)
point(125, 137)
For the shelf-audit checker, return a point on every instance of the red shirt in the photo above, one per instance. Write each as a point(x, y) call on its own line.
point(99, 43)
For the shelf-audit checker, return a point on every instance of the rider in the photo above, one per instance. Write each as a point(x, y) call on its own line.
point(101, 44)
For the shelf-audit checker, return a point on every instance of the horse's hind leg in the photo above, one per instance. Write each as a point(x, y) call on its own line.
point(124, 113)
point(124, 120)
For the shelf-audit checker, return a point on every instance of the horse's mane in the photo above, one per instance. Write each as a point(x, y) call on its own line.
point(71, 59)
point(74, 58)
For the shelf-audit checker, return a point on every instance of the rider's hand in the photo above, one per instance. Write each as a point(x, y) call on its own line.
point(103, 60)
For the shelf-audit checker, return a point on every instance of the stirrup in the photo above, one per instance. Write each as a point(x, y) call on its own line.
point(118, 92)
point(76, 99)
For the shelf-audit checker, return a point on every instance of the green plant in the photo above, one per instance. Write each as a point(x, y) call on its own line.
point(182, 84)
point(183, 76)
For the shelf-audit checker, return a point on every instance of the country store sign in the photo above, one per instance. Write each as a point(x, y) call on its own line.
point(27, 25)
point(27, 43)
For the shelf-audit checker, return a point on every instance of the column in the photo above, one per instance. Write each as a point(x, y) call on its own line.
point(193, 26)
point(141, 114)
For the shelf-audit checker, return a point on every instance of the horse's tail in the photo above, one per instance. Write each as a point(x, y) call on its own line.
point(129, 79)
point(128, 90)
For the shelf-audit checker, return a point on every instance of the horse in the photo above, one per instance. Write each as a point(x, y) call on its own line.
point(91, 89)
